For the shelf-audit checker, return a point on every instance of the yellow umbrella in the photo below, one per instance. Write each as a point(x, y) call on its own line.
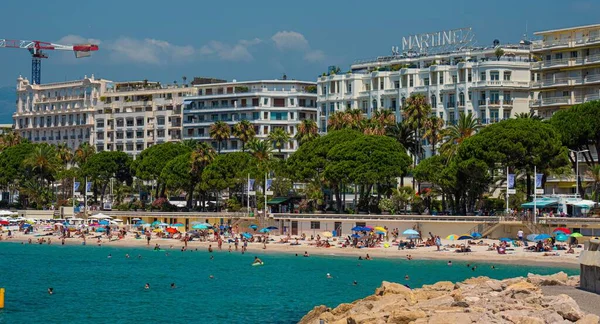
point(380, 229)
point(326, 234)
point(452, 237)
point(158, 230)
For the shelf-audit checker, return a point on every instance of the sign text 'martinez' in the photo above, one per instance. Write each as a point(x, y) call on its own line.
point(449, 38)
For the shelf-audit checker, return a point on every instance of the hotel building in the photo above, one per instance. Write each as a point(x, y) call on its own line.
point(267, 104)
point(61, 112)
point(568, 71)
point(131, 116)
point(466, 80)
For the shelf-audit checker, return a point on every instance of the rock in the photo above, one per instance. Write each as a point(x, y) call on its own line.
point(440, 286)
point(528, 320)
point(460, 304)
point(425, 295)
point(472, 299)
point(476, 280)
point(436, 302)
point(405, 317)
point(397, 289)
point(341, 309)
point(557, 279)
point(457, 295)
point(494, 285)
point(566, 307)
point(521, 290)
point(313, 315)
point(455, 318)
point(589, 319)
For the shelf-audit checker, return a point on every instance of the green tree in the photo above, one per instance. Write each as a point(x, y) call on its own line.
point(83, 153)
point(44, 163)
point(9, 139)
point(244, 131)
point(307, 131)
point(279, 137)
point(499, 52)
point(219, 131)
point(466, 127)
point(12, 169)
point(150, 163)
point(433, 131)
point(106, 165)
point(417, 110)
point(262, 151)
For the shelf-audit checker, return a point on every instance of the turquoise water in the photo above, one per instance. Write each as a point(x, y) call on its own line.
point(91, 288)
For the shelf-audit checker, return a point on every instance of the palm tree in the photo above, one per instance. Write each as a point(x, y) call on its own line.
point(354, 118)
point(433, 131)
point(8, 139)
point(83, 153)
point(529, 115)
point(416, 112)
point(64, 154)
point(201, 157)
point(219, 131)
point(337, 121)
point(402, 196)
point(191, 143)
point(307, 131)
point(43, 161)
point(466, 127)
point(244, 131)
point(261, 150)
point(279, 137)
point(594, 174)
point(404, 134)
point(384, 117)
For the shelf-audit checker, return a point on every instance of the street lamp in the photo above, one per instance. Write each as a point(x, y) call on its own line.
point(577, 169)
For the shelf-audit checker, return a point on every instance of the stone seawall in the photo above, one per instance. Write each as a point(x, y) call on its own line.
point(475, 300)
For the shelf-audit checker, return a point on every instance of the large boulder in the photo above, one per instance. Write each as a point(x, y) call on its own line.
point(557, 279)
point(494, 285)
point(406, 316)
point(589, 319)
point(396, 289)
point(566, 307)
point(450, 318)
point(313, 315)
point(439, 286)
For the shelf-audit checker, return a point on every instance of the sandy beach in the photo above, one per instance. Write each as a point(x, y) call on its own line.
point(480, 253)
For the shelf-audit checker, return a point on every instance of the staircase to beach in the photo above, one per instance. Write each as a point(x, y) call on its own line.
point(486, 228)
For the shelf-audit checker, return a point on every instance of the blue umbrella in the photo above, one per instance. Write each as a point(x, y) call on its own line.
point(542, 237)
point(355, 235)
point(380, 233)
point(253, 226)
point(100, 229)
point(465, 237)
point(221, 227)
point(357, 228)
point(26, 225)
point(562, 237)
point(531, 237)
point(155, 223)
point(247, 235)
point(103, 222)
point(200, 227)
point(413, 237)
point(272, 228)
point(177, 225)
point(410, 232)
point(264, 230)
point(476, 235)
point(505, 239)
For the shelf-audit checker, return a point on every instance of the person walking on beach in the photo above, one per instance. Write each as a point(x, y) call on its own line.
point(148, 234)
point(520, 235)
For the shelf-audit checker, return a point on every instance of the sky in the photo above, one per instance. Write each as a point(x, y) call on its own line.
point(246, 40)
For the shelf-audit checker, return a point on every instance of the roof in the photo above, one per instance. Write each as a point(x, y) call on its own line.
point(540, 203)
point(566, 29)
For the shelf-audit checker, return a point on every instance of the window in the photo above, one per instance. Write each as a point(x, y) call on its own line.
point(277, 102)
point(292, 102)
point(255, 115)
point(160, 120)
point(426, 81)
point(507, 99)
point(461, 99)
point(411, 81)
point(394, 104)
point(433, 101)
point(507, 75)
point(469, 77)
point(397, 84)
point(454, 79)
point(494, 76)
point(574, 54)
point(315, 225)
point(265, 115)
point(381, 84)
point(558, 56)
point(331, 108)
point(482, 76)
point(99, 123)
point(265, 101)
point(292, 116)
point(348, 87)
point(348, 104)
point(254, 102)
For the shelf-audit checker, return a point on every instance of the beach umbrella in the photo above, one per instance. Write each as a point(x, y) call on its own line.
point(171, 230)
point(327, 234)
point(531, 237)
point(264, 230)
point(542, 237)
point(465, 237)
point(103, 222)
point(380, 233)
point(253, 226)
point(136, 219)
point(177, 225)
point(200, 227)
point(410, 232)
point(357, 229)
point(155, 223)
point(196, 223)
point(355, 235)
point(3, 222)
point(563, 230)
point(452, 237)
point(26, 225)
point(157, 230)
point(272, 228)
point(380, 229)
point(413, 237)
point(505, 239)
point(476, 235)
point(561, 237)
point(100, 229)
point(163, 224)
point(576, 235)
point(247, 235)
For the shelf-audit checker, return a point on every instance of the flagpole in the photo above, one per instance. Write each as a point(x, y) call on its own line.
point(507, 186)
point(534, 195)
point(265, 196)
point(85, 199)
point(248, 192)
point(73, 197)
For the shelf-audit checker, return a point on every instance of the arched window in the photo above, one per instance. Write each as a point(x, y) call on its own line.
point(374, 104)
point(433, 101)
point(461, 99)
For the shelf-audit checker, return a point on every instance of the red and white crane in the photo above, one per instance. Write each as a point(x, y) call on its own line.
point(37, 50)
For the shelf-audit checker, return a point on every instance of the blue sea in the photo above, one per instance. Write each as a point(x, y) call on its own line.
point(89, 287)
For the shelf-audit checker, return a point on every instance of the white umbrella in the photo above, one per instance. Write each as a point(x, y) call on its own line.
point(136, 219)
point(117, 220)
point(584, 203)
point(100, 216)
point(6, 213)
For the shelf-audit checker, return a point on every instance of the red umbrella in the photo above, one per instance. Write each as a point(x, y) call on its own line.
point(562, 229)
point(4, 222)
point(171, 230)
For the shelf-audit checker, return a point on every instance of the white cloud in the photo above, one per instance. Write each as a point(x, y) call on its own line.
point(76, 39)
point(290, 40)
point(227, 52)
point(294, 41)
point(148, 51)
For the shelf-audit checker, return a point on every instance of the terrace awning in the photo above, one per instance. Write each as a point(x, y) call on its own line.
point(277, 200)
point(540, 203)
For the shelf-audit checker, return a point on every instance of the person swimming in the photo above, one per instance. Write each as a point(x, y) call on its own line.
point(449, 263)
point(109, 256)
point(306, 254)
point(257, 260)
point(329, 276)
point(173, 285)
point(147, 286)
point(355, 283)
point(50, 291)
point(368, 257)
point(211, 277)
point(406, 277)
point(127, 256)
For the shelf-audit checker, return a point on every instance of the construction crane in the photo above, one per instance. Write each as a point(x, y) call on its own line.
point(37, 50)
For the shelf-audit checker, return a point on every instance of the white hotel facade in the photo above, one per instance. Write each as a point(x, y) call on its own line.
point(267, 104)
point(469, 80)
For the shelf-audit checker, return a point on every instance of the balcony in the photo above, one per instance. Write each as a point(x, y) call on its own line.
point(550, 44)
point(451, 104)
point(502, 83)
point(591, 78)
point(482, 102)
point(421, 88)
point(494, 102)
point(508, 102)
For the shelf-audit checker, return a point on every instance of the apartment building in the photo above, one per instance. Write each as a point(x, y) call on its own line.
point(61, 112)
point(568, 68)
point(131, 116)
point(267, 104)
point(473, 80)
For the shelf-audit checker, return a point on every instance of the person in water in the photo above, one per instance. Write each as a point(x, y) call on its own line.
point(156, 247)
point(449, 263)
point(50, 291)
point(173, 285)
point(368, 257)
point(257, 260)
point(147, 286)
point(329, 276)
point(306, 254)
point(355, 283)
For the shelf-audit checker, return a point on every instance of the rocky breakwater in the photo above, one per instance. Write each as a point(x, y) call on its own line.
point(475, 300)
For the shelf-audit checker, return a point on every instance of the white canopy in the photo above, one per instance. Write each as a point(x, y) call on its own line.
point(584, 203)
point(100, 216)
point(117, 220)
point(6, 213)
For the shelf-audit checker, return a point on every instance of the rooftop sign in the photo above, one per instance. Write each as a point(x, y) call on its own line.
point(437, 42)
